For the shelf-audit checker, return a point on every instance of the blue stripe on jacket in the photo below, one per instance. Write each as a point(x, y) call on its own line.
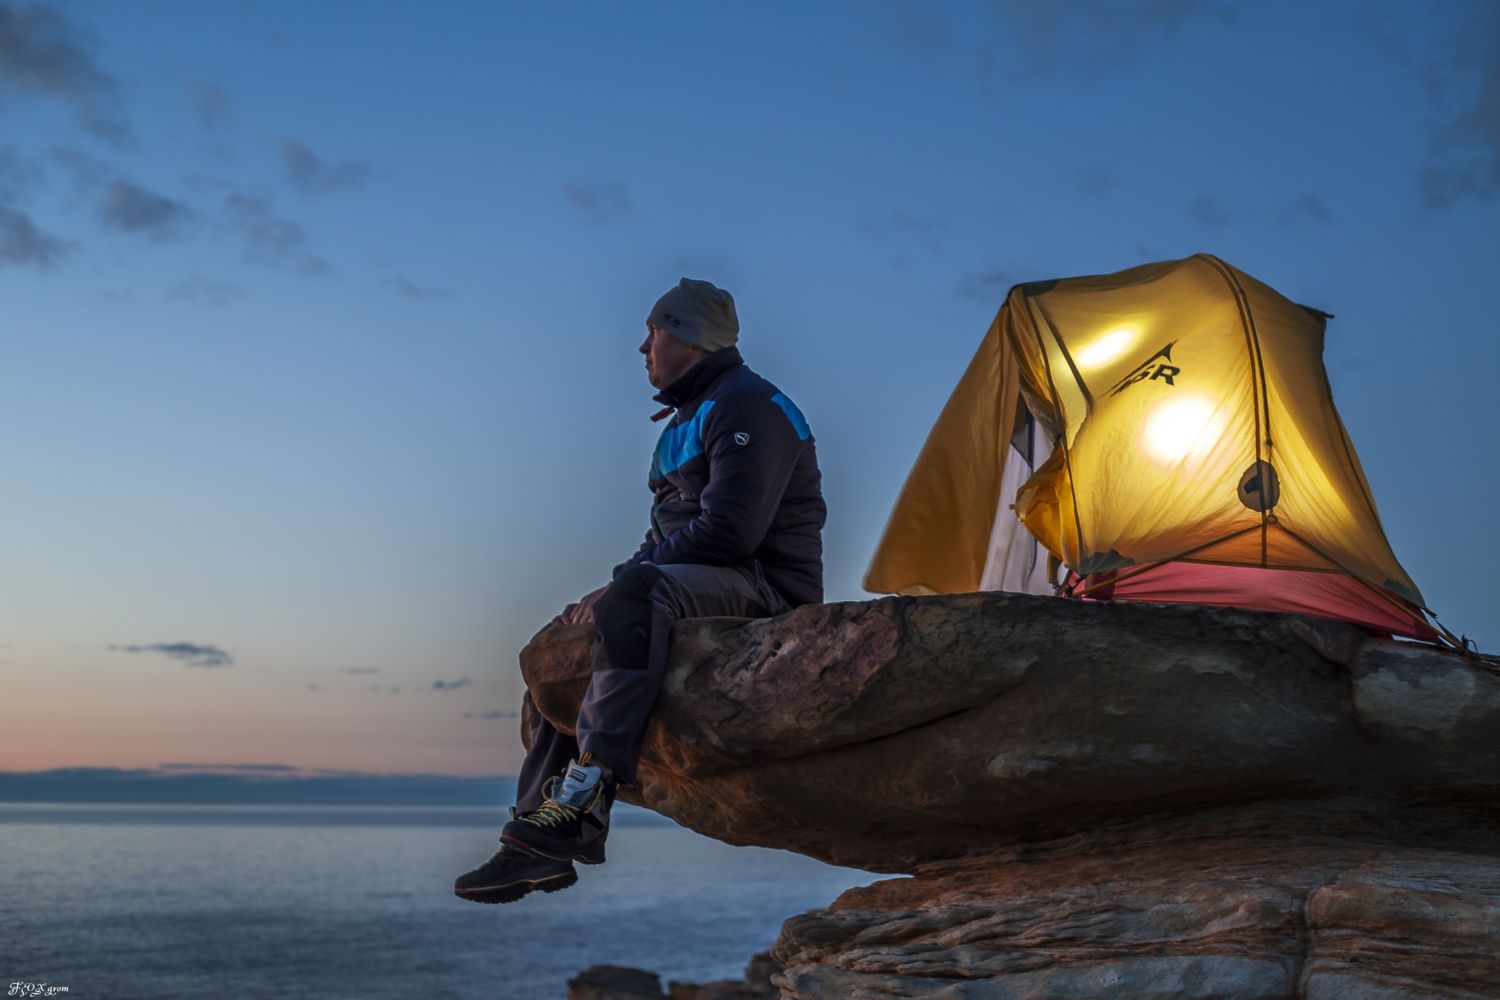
point(799, 422)
point(679, 445)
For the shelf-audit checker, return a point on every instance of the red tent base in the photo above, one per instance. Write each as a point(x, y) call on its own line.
point(1323, 595)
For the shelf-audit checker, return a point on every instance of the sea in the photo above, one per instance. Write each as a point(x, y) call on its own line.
point(128, 901)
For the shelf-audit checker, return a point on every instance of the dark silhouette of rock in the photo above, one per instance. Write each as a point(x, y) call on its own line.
point(613, 982)
point(1092, 799)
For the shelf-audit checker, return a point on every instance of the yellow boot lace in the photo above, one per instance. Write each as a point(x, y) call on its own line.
point(553, 813)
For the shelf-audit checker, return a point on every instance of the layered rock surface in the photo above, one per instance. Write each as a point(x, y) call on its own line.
point(1092, 799)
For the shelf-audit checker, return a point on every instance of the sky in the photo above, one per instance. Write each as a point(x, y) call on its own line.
point(319, 392)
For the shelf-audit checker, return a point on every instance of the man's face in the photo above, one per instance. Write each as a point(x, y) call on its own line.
point(667, 358)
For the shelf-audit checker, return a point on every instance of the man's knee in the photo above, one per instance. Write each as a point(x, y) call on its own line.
point(628, 600)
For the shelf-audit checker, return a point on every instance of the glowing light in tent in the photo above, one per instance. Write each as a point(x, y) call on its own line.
point(1107, 347)
point(1183, 427)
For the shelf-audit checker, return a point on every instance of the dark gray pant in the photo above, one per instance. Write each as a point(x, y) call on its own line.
point(634, 624)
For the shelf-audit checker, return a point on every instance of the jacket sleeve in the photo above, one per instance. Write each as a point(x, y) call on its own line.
point(640, 554)
point(752, 450)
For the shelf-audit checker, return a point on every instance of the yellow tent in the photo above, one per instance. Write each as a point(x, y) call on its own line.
point(1164, 433)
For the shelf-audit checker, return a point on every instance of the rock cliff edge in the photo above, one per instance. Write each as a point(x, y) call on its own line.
point(1089, 799)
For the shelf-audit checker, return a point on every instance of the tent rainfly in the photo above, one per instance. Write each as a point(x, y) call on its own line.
point(1166, 433)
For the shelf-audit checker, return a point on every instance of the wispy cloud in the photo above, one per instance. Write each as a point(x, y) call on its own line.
point(1095, 179)
point(86, 172)
point(1455, 63)
point(599, 202)
point(451, 685)
point(134, 209)
point(359, 670)
point(1209, 210)
point(44, 54)
point(19, 174)
point(1027, 40)
point(207, 291)
point(1464, 159)
point(906, 228)
point(21, 242)
point(494, 714)
point(312, 175)
point(190, 654)
point(987, 286)
point(412, 290)
point(208, 100)
point(1307, 210)
point(269, 238)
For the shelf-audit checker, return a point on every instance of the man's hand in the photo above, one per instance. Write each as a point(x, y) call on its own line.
point(582, 613)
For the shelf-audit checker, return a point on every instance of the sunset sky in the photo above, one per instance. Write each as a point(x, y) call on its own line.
point(319, 393)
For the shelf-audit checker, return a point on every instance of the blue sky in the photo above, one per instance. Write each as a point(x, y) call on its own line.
point(319, 391)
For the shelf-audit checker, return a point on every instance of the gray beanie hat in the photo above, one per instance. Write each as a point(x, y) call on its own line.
point(697, 313)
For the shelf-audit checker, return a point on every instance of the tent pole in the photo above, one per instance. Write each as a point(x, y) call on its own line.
point(1441, 629)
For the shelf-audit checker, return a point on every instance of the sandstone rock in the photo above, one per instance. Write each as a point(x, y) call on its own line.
point(1091, 800)
point(756, 985)
point(614, 982)
point(1222, 905)
point(889, 733)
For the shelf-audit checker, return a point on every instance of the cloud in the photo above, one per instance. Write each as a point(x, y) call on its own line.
point(191, 654)
point(906, 228)
point(412, 290)
point(134, 209)
point(313, 176)
point(21, 242)
point(451, 685)
point(19, 174)
point(1095, 180)
point(44, 54)
point(1455, 63)
point(495, 714)
point(87, 172)
point(359, 670)
point(208, 100)
point(207, 291)
point(1464, 158)
point(1125, 28)
point(1026, 40)
point(600, 203)
point(922, 30)
point(1308, 210)
point(1209, 210)
point(987, 286)
point(269, 238)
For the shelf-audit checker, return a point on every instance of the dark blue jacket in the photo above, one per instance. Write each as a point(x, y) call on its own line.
point(735, 478)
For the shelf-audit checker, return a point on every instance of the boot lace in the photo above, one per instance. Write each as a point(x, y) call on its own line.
point(553, 813)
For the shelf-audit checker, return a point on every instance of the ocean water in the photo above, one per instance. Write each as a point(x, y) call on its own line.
point(158, 901)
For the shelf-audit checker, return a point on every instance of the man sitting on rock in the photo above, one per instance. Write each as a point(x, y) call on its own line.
point(736, 530)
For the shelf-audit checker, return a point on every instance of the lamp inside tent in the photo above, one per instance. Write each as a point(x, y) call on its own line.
point(1165, 433)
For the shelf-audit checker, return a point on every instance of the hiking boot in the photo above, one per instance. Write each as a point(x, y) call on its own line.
point(511, 874)
point(573, 820)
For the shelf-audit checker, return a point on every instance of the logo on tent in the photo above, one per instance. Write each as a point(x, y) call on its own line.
point(1151, 369)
